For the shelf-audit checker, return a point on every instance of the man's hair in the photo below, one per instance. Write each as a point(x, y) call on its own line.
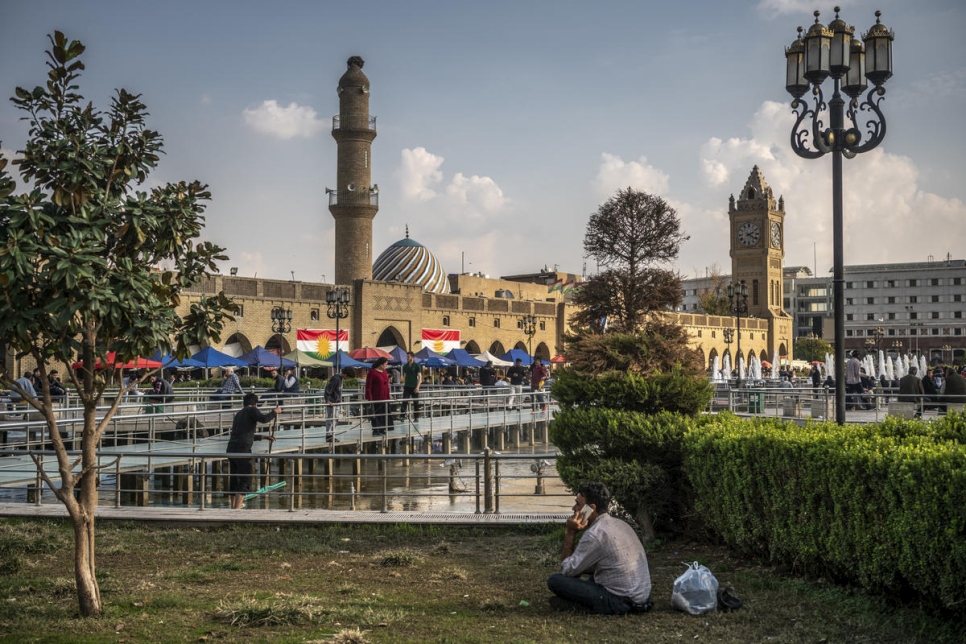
point(348, 372)
point(596, 493)
point(250, 399)
point(913, 370)
point(410, 353)
point(519, 359)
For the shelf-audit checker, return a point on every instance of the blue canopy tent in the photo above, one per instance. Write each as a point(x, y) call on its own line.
point(399, 356)
point(513, 354)
point(463, 359)
point(168, 361)
point(211, 357)
point(264, 359)
point(342, 359)
point(425, 354)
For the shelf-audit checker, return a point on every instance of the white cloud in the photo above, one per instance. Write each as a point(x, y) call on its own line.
point(417, 173)
point(206, 99)
point(887, 217)
point(774, 8)
point(616, 174)
point(286, 122)
point(481, 191)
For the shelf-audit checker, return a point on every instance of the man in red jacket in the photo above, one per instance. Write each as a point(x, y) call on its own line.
point(377, 392)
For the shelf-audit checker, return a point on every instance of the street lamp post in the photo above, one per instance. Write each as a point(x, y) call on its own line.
point(281, 323)
point(529, 325)
point(738, 299)
point(729, 337)
point(337, 300)
point(944, 349)
point(824, 52)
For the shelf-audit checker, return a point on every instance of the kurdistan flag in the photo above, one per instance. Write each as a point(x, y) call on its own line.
point(441, 340)
point(321, 343)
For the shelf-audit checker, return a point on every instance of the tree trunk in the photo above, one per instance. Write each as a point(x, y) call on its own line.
point(88, 592)
point(644, 520)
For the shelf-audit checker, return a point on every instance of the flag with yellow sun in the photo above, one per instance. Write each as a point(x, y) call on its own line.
point(322, 343)
point(441, 340)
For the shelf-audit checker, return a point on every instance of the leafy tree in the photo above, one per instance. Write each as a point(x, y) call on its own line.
point(714, 299)
point(78, 266)
point(631, 235)
point(812, 348)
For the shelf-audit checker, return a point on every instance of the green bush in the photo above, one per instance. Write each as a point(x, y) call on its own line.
point(675, 391)
point(880, 505)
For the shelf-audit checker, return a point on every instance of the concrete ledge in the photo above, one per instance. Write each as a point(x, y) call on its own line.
point(906, 410)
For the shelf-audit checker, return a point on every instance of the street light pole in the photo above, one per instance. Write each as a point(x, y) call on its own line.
point(337, 300)
point(831, 51)
point(738, 298)
point(281, 323)
point(729, 337)
point(529, 325)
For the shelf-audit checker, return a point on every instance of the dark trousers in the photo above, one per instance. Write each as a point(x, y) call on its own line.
point(380, 416)
point(411, 393)
point(587, 594)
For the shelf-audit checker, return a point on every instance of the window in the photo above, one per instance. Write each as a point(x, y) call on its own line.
point(496, 323)
point(699, 333)
point(892, 331)
point(754, 292)
point(892, 316)
point(913, 282)
point(935, 331)
point(957, 281)
point(848, 333)
point(958, 331)
point(241, 311)
point(848, 301)
point(934, 281)
point(314, 315)
point(445, 320)
point(913, 299)
point(891, 283)
point(934, 298)
point(870, 316)
point(848, 285)
point(958, 314)
point(957, 298)
point(913, 315)
point(713, 335)
point(543, 325)
point(858, 332)
point(870, 284)
point(849, 316)
point(472, 321)
point(935, 315)
point(366, 158)
point(870, 300)
point(912, 332)
point(892, 299)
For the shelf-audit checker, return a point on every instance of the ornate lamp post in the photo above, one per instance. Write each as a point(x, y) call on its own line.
point(824, 52)
point(944, 349)
point(729, 337)
point(529, 325)
point(738, 299)
point(281, 323)
point(338, 309)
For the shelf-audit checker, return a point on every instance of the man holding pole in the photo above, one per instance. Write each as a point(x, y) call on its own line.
point(240, 442)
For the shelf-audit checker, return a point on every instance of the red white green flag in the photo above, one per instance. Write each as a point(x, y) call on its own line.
point(321, 343)
point(441, 340)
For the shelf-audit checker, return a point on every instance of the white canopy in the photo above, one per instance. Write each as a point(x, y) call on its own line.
point(487, 356)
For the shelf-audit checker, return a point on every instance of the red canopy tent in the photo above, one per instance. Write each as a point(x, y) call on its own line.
point(369, 354)
point(558, 359)
point(137, 363)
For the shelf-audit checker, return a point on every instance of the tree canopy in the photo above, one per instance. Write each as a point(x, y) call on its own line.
point(81, 256)
point(631, 236)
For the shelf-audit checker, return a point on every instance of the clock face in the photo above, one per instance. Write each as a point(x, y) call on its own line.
point(776, 235)
point(748, 234)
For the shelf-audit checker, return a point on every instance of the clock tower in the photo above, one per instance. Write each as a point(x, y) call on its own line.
point(758, 245)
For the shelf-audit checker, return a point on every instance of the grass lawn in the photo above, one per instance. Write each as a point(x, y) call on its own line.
point(396, 584)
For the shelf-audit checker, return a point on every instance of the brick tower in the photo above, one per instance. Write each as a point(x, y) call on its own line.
point(355, 201)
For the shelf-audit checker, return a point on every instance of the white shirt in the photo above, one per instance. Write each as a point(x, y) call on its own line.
point(612, 553)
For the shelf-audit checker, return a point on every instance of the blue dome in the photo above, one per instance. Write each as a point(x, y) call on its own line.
point(410, 262)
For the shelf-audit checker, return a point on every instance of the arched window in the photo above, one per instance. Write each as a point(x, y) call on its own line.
point(754, 292)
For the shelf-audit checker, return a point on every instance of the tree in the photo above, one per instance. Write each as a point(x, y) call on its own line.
point(812, 348)
point(631, 235)
point(79, 258)
point(714, 300)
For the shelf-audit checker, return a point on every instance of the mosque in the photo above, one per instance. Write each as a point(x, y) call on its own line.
point(405, 298)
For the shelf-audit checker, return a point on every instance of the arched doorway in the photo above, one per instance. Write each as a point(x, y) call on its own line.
point(473, 348)
point(711, 356)
point(238, 344)
point(542, 351)
point(272, 345)
point(497, 348)
point(391, 336)
point(521, 346)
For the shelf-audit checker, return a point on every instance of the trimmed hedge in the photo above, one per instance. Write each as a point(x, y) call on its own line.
point(880, 505)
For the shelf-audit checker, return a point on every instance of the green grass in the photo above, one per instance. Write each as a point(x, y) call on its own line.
point(399, 584)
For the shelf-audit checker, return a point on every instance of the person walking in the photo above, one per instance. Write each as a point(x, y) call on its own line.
point(377, 393)
point(240, 441)
point(853, 381)
point(538, 373)
point(412, 379)
point(333, 401)
point(517, 374)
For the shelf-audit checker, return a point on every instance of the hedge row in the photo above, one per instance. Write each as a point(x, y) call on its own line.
point(881, 505)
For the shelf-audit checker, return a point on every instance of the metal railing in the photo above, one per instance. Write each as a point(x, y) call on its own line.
point(354, 122)
point(478, 482)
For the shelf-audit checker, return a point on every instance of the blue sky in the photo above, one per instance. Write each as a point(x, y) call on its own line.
point(503, 125)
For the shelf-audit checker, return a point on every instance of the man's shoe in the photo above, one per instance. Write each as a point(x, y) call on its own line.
point(564, 605)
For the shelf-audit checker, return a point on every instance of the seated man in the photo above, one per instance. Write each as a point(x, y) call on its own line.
point(609, 552)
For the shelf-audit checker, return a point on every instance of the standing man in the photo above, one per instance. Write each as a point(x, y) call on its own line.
point(290, 383)
point(609, 552)
point(412, 379)
point(333, 398)
point(538, 373)
point(853, 381)
point(377, 392)
point(516, 374)
point(240, 442)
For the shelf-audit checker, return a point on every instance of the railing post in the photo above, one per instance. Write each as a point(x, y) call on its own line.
point(487, 480)
point(496, 488)
point(40, 482)
point(478, 486)
point(204, 472)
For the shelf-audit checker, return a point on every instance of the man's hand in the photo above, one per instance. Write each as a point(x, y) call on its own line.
point(269, 438)
point(278, 410)
point(576, 523)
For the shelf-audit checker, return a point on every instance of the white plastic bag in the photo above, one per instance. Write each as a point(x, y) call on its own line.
point(696, 591)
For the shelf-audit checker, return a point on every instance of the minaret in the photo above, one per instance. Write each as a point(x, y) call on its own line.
point(355, 201)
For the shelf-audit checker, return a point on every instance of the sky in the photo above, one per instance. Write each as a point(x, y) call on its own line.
point(503, 125)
